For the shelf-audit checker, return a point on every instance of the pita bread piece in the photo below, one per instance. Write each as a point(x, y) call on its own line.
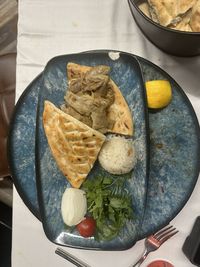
point(118, 112)
point(74, 145)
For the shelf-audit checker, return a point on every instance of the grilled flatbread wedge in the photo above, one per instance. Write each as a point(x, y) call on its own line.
point(118, 112)
point(74, 145)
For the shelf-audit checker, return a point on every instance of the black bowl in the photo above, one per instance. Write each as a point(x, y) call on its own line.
point(173, 42)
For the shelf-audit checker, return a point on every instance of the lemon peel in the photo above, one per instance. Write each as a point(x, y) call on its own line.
point(159, 93)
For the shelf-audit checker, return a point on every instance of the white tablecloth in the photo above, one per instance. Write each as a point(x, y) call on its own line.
point(48, 28)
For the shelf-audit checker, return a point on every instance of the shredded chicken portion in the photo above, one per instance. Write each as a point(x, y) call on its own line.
point(89, 97)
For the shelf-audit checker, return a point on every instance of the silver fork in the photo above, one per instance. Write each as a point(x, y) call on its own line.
point(154, 241)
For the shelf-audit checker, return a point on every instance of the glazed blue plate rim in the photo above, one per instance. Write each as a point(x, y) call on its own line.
point(26, 92)
point(110, 247)
point(18, 187)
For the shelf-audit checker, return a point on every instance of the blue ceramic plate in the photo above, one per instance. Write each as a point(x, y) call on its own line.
point(51, 183)
point(174, 152)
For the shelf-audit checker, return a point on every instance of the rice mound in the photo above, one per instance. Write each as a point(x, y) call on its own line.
point(117, 155)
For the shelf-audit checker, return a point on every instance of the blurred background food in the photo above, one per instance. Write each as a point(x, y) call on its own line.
point(171, 25)
point(183, 15)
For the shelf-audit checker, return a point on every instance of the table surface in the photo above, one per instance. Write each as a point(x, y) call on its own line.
point(50, 28)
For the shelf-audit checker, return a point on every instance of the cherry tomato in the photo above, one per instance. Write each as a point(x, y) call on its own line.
point(87, 227)
point(160, 263)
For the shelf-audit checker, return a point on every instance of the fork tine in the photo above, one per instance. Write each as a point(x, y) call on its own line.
point(165, 238)
point(165, 233)
point(157, 234)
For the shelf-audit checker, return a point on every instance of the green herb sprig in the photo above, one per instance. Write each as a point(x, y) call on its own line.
point(109, 204)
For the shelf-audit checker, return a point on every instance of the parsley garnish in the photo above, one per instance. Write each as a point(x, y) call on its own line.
point(109, 204)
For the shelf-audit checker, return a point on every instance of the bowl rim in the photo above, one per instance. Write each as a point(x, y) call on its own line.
point(160, 26)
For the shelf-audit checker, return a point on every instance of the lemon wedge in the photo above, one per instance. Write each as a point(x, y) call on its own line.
point(159, 93)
